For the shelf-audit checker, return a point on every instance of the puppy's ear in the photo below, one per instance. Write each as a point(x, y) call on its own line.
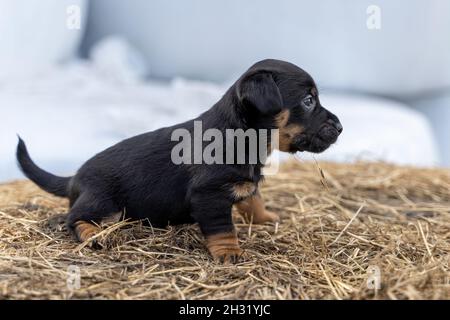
point(260, 91)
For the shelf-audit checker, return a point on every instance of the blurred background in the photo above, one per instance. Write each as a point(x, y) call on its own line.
point(77, 76)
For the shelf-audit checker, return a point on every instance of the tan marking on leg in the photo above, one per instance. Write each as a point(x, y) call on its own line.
point(224, 247)
point(253, 210)
point(85, 230)
point(244, 189)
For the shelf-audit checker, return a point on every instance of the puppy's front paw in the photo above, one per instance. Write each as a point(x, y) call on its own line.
point(224, 247)
point(253, 210)
point(265, 216)
point(228, 255)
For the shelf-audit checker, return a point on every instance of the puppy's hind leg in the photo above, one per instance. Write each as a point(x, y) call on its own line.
point(85, 215)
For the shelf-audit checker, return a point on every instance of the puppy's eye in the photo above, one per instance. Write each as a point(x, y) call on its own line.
point(309, 102)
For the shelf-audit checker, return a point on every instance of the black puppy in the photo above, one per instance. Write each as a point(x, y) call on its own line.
point(138, 177)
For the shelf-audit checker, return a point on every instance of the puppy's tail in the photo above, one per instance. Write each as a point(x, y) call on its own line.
point(47, 181)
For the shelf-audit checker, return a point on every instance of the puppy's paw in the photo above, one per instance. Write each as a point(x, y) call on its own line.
point(265, 216)
point(84, 231)
point(224, 247)
point(95, 244)
point(228, 255)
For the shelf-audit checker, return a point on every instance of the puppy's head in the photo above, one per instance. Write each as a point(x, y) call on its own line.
point(278, 94)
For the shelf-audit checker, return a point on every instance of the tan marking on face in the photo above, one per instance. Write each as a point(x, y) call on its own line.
point(244, 190)
point(282, 118)
point(287, 132)
point(224, 246)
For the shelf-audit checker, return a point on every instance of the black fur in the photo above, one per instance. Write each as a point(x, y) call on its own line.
point(137, 176)
point(44, 179)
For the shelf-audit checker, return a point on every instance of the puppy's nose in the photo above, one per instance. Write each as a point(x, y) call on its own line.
point(336, 124)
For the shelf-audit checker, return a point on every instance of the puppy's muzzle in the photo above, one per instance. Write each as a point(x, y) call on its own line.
point(326, 135)
point(330, 131)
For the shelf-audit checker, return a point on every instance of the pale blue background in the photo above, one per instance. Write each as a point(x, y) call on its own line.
point(137, 65)
point(407, 59)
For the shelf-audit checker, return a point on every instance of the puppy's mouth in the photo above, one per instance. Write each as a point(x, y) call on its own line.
point(317, 142)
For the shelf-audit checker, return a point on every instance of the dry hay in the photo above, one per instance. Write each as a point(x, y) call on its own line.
point(336, 225)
